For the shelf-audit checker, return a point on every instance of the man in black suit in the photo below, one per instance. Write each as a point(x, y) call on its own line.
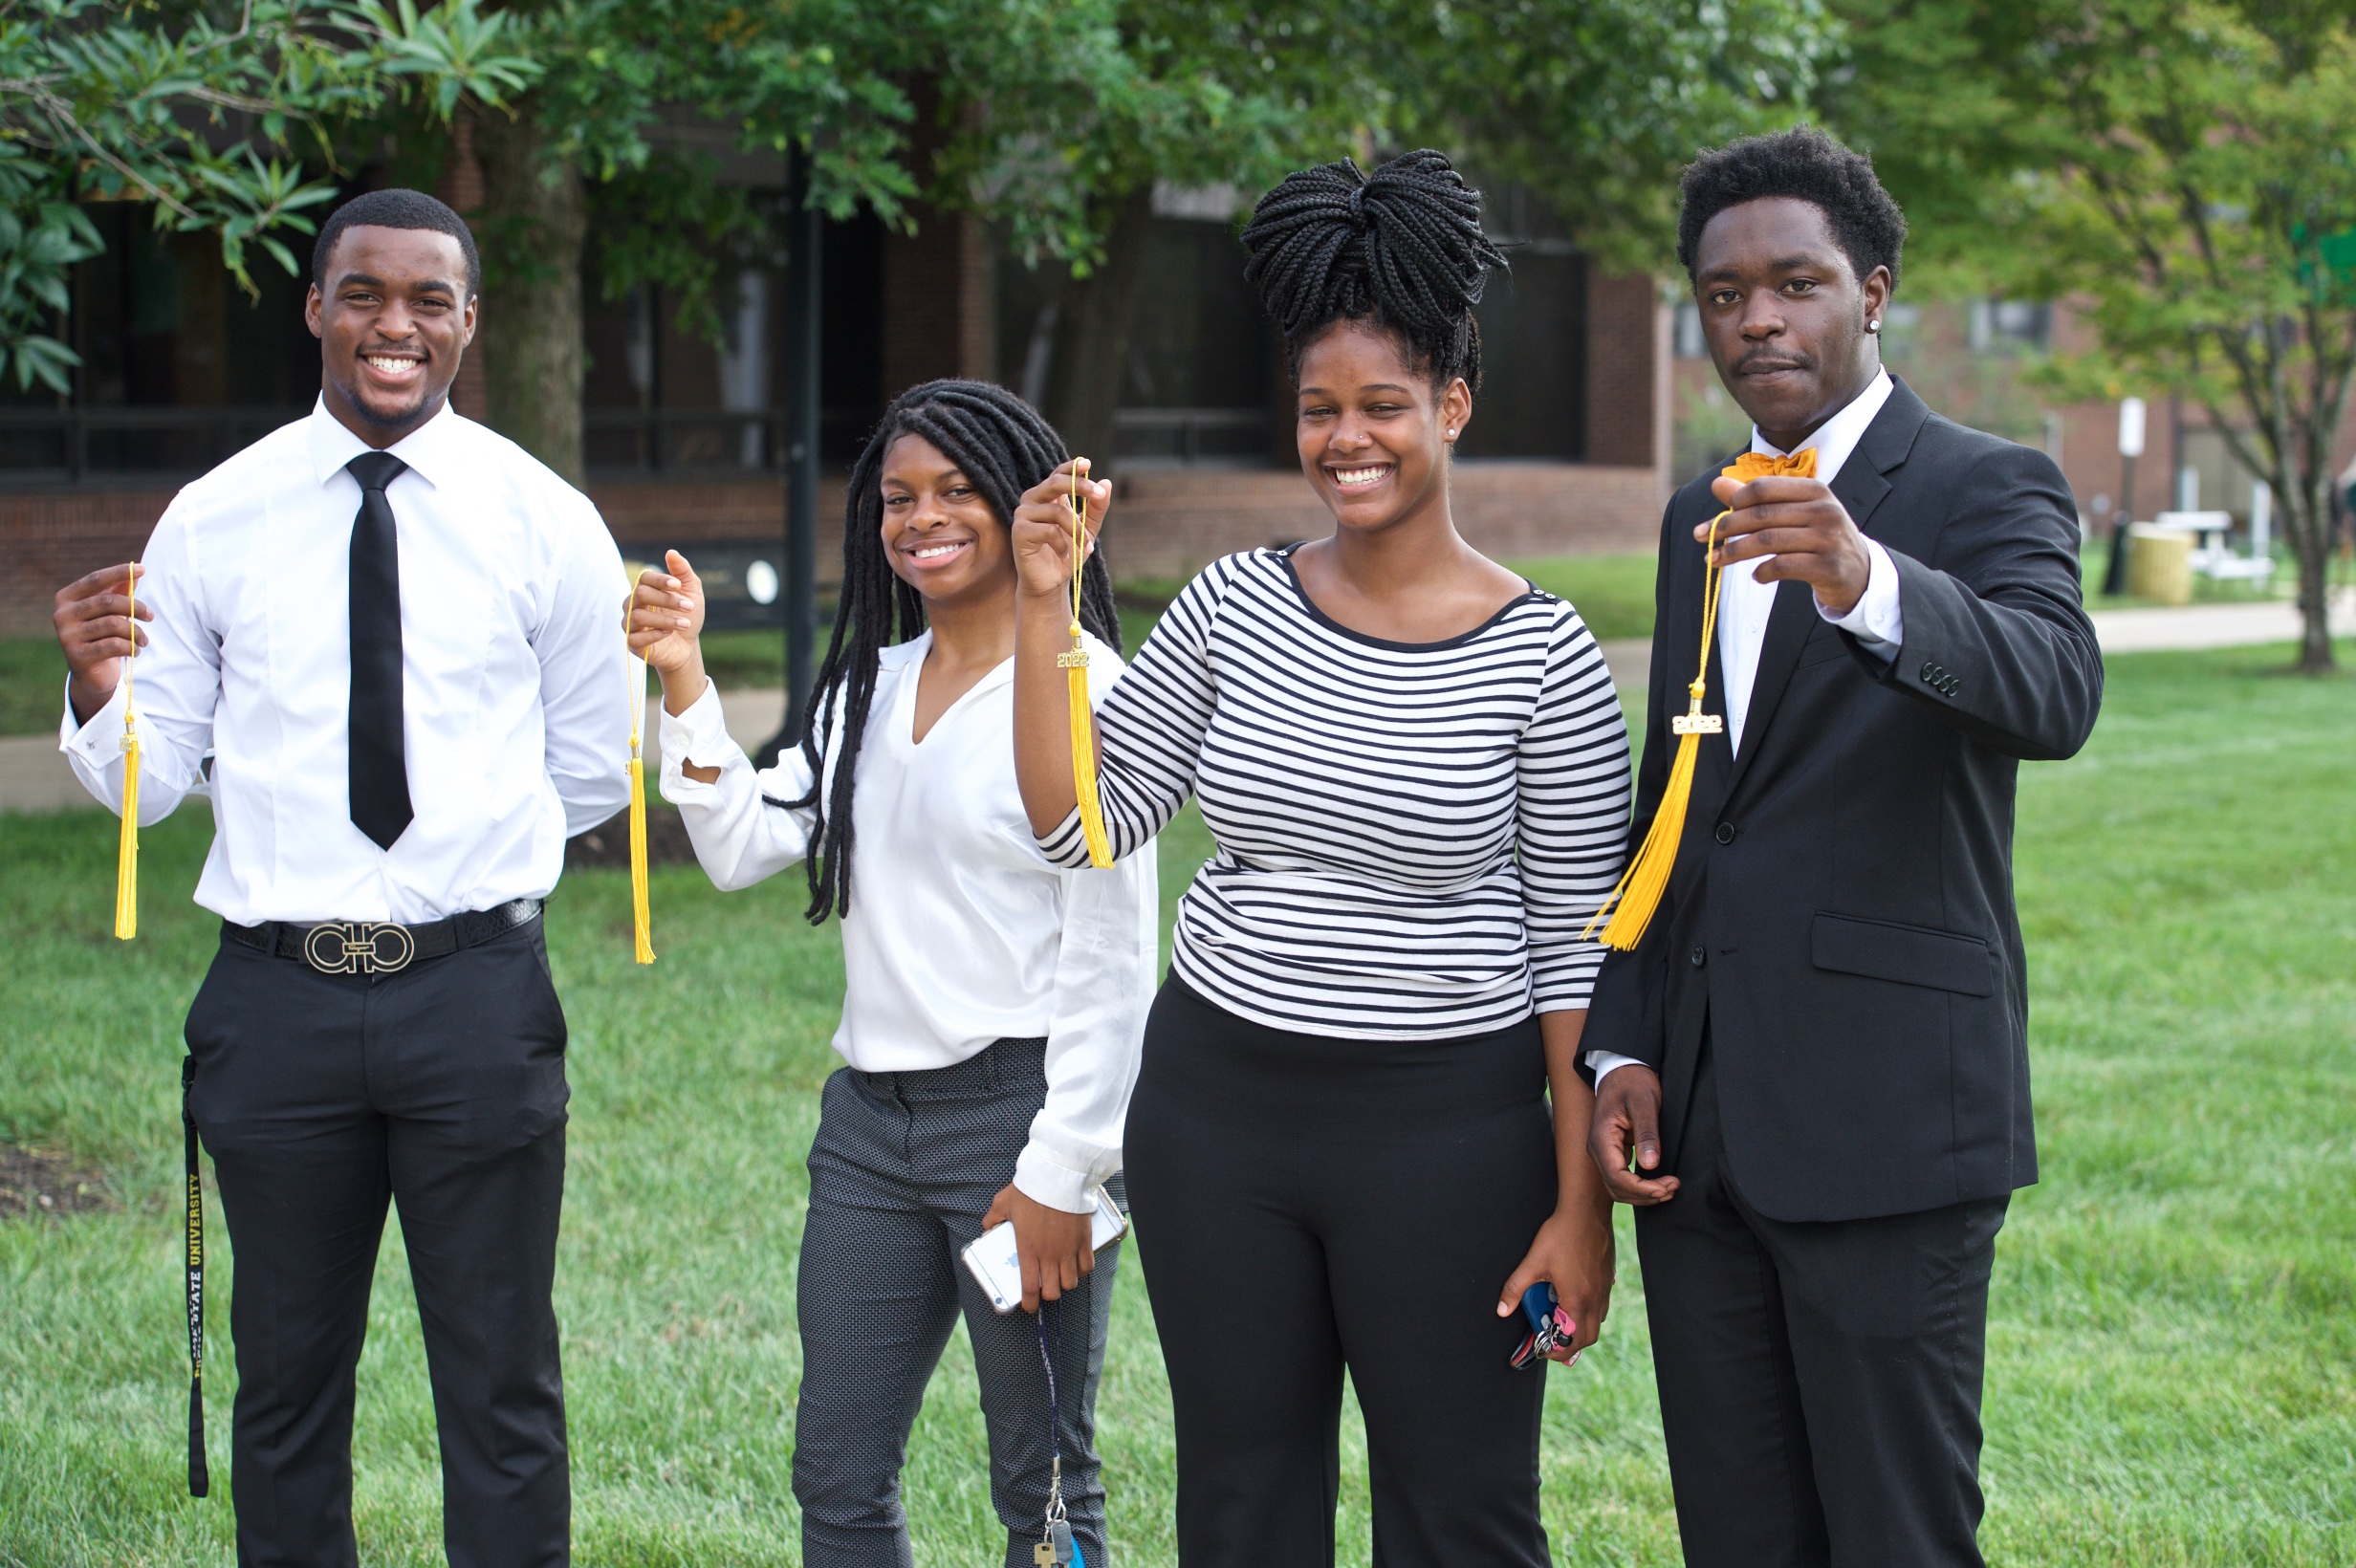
point(1815, 1056)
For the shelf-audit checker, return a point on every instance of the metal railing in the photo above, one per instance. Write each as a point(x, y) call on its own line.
point(75, 444)
point(50, 445)
point(683, 440)
point(1233, 434)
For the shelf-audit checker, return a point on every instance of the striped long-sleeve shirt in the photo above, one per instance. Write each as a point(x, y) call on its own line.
point(1409, 836)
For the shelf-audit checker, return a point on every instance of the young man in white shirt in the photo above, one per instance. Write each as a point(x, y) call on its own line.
point(399, 637)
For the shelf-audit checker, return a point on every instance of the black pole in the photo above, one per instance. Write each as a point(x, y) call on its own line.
point(805, 229)
point(2114, 575)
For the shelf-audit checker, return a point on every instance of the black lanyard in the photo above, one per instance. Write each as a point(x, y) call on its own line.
point(198, 1483)
point(1056, 1547)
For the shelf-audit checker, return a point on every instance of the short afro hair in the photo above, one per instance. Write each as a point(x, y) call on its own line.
point(1808, 164)
point(396, 208)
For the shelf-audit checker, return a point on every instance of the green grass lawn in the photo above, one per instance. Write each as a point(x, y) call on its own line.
point(2172, 1360)
point(32, 685)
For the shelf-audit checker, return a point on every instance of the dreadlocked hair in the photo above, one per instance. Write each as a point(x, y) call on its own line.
point(1402, 247)
point(1003, 447)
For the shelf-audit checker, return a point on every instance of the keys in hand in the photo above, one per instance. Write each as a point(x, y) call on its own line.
point(1550, 1326)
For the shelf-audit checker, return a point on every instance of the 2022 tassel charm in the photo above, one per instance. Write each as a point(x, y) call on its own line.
point(1624, 915)
point(1075, 664)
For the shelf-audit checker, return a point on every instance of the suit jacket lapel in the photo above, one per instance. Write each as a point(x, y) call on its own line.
point(1861, 487)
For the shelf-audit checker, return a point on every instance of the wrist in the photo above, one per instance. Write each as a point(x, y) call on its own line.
point(87, 698)
point(683, 687)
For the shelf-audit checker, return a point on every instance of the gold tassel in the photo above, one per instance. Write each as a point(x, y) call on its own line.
point(126, 854)
point(642, 918)
point(1084, 712)
point(1633, 902)
point(641, 921)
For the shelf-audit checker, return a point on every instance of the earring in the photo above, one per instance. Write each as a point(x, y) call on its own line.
point(1873, 326)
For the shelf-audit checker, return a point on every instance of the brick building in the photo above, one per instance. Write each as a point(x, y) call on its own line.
point(1570, 449)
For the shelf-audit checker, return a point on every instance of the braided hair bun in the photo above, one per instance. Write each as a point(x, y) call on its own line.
point(1402, 247)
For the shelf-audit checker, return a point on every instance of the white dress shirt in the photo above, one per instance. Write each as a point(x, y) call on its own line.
point(516, 683)
point(1744, 602)
point(960, 932)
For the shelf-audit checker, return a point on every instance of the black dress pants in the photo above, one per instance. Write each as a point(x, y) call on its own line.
point(1305, 1203)
point(1820, 1382)
point(321, 1097)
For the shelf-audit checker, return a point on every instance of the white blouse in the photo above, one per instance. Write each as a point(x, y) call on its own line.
point(960, 932)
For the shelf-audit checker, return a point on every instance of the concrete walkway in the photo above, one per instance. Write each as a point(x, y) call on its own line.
point(35, 777)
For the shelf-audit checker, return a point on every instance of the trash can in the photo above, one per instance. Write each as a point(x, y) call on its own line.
point(2159, 563)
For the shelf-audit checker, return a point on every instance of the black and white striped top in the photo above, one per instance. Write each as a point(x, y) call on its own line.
point(1411, 835)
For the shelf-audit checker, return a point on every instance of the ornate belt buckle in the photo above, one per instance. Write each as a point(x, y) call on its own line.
point(358, 948)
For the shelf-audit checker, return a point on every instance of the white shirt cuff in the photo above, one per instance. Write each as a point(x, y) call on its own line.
point(1875, 620)
point(1043, 1178)
point(99, 742)
point(698, 735)
point(1603, 1063)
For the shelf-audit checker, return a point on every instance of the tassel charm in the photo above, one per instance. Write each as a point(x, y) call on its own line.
point(1633, 904)
point(126, 852)
point(1084, 712)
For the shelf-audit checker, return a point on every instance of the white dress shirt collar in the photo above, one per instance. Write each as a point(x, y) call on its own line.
point(1838, 437)
point(431, 450)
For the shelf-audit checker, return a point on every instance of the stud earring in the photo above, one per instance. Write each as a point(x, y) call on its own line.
point(1873, 326)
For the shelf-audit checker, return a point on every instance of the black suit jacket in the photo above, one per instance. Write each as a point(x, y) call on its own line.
point(1841, 908)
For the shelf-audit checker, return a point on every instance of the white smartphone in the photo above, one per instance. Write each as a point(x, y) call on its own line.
point(996, 1266)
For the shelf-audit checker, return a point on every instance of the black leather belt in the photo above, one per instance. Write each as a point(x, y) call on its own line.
point(371, 946)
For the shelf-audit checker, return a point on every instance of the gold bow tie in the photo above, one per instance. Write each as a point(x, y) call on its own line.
point(1750, 466)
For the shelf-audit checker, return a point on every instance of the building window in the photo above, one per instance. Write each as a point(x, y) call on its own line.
point(1690, 344)
point(1532, 401)
point(179, 368)
point(2004, 325)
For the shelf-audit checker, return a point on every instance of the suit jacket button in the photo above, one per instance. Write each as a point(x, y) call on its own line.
point(1930, 671)
point(1699, 957)
point(1726, 832)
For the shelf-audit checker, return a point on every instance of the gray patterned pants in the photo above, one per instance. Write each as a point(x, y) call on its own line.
point(901, 1171)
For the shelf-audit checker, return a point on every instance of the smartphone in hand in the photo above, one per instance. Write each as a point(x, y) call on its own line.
point(997, 1267)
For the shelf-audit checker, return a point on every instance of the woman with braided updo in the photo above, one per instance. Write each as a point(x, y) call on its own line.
point(992, 1002)
point(1414, 766)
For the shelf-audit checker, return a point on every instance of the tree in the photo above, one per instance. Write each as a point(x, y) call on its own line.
point(829, 77)
point(2183, 169)
point(195, 109)
point(1594, 104)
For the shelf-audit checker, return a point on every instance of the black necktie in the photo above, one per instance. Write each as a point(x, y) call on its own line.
point(380, 770)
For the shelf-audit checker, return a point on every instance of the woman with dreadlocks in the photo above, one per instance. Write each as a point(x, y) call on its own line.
point(1414, 766)
point(992, 1002)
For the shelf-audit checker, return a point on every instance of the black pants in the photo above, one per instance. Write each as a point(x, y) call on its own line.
point(903, 1168)
point(1305, 1203)
point(1820, 1382)
point(321, 1097)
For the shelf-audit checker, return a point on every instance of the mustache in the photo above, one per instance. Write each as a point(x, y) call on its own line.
point(1763, 359)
